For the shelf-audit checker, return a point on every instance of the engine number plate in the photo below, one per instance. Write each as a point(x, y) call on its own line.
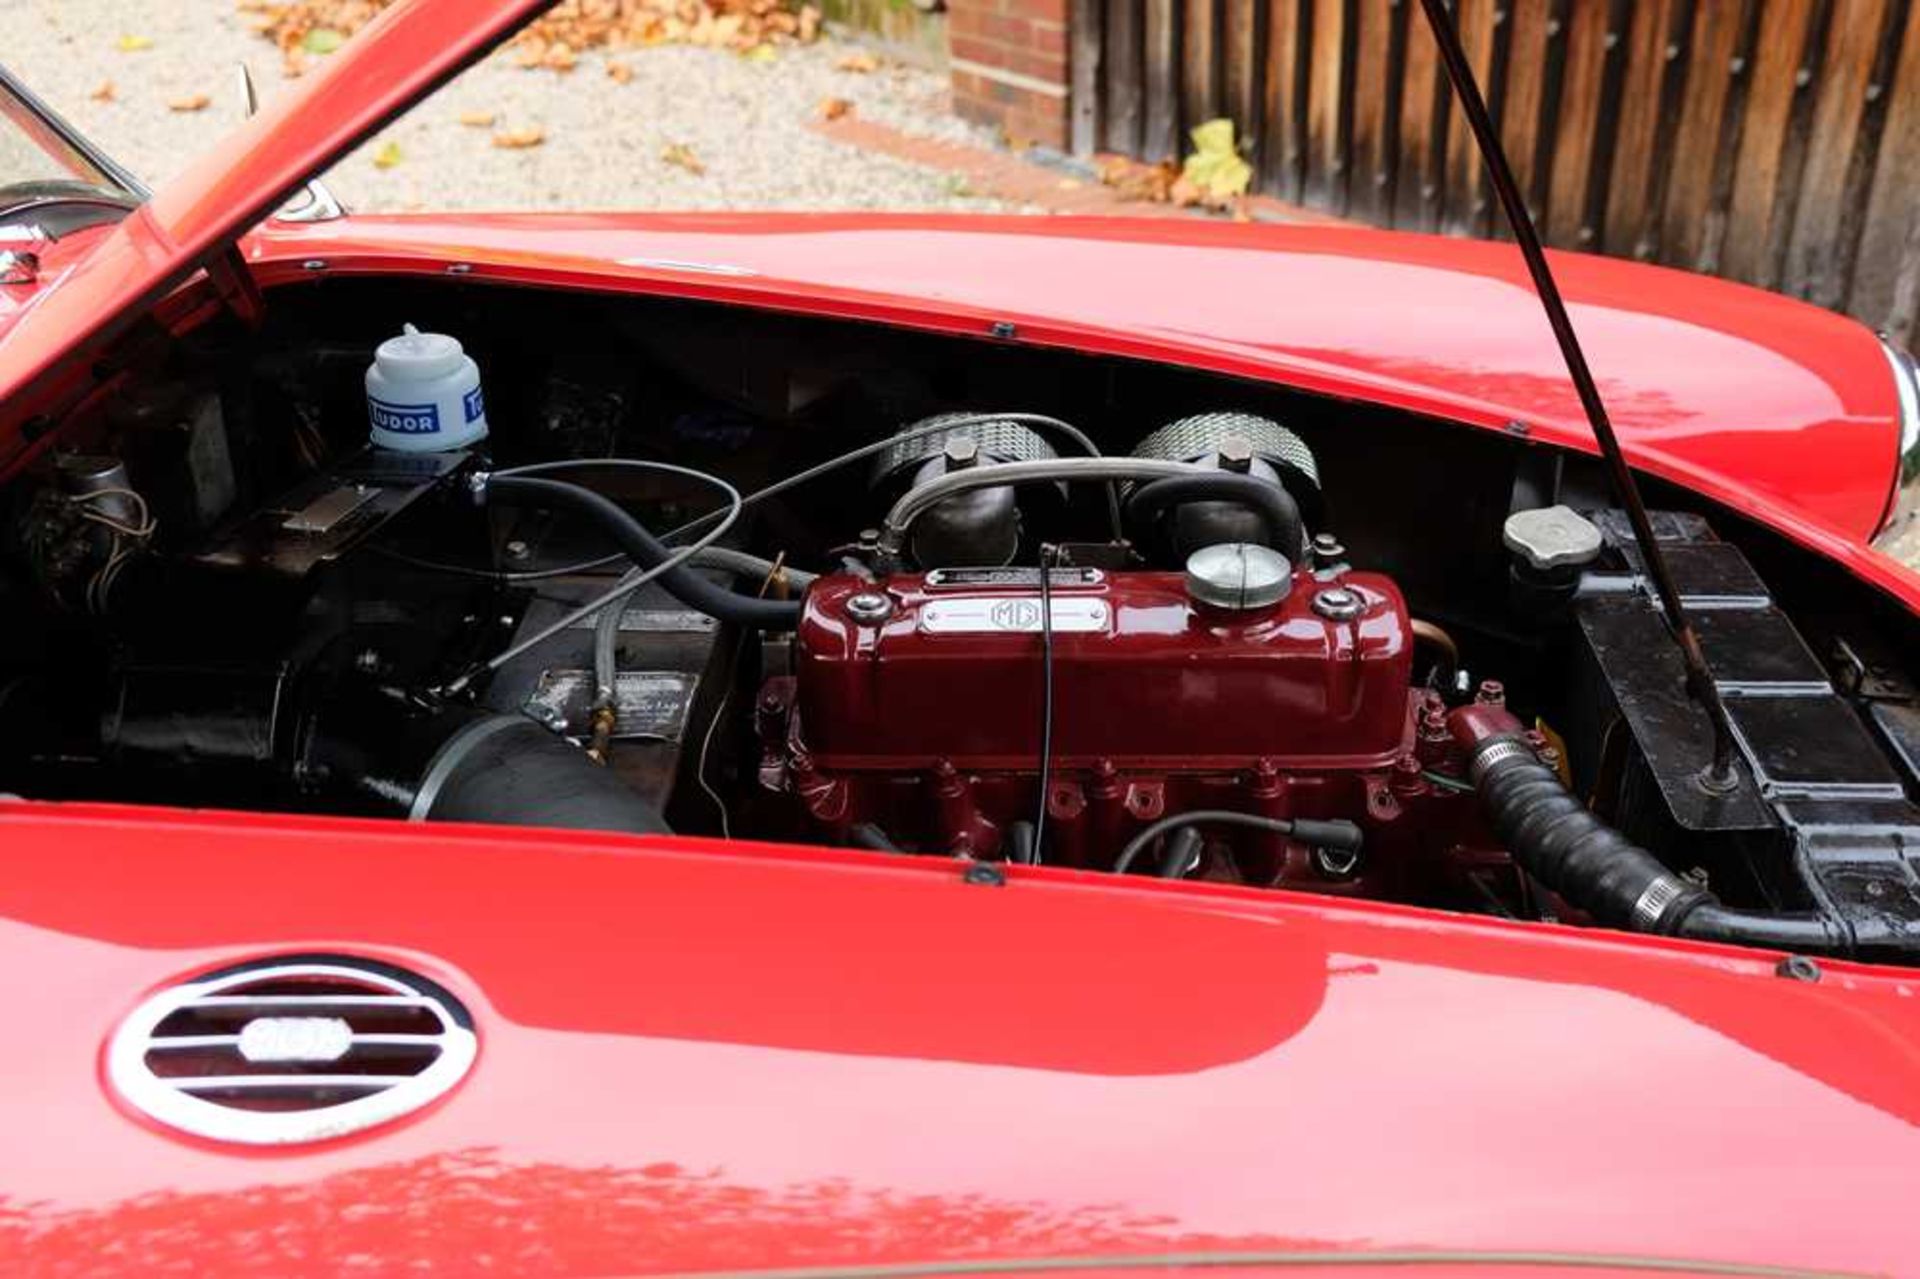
point(1011, 614)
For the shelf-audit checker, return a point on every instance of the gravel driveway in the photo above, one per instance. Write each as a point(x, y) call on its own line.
point(744, 122)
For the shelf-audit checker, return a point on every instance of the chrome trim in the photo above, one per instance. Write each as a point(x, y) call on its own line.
point(1903, 503)
point(19, 266)
point(343, 1100)
point(313, 203)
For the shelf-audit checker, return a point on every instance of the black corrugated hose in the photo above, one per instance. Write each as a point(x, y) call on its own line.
point(1554, 837)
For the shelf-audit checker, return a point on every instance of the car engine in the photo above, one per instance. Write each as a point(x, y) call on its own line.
point(1222, 635)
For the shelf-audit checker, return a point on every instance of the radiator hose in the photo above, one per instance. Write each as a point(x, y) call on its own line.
point(1554, 838)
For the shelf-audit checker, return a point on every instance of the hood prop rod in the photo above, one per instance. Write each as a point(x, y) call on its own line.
point(1719, 775)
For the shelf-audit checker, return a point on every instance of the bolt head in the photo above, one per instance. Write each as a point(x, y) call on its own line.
point(1338, 603)
point(869, 606)
point(961, 451)
point(1236, 453)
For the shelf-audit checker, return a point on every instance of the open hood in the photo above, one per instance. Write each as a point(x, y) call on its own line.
point(403, 55)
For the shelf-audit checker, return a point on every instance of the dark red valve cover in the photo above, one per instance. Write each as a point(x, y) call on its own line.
point(1143, 677)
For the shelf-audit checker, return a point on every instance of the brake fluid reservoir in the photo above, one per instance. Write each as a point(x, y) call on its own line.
point(423, 394)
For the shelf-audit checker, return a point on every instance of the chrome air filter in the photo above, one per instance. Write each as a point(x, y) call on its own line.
point(1192, 438)
point(997, 441)
point(291, 1050)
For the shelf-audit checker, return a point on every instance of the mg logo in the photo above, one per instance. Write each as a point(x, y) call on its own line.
point(1015, 615)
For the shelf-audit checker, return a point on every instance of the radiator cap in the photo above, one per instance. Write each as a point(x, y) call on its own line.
point(1552, 537)
point(1238, 576)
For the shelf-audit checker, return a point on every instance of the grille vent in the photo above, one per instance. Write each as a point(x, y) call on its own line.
point(291, 1050)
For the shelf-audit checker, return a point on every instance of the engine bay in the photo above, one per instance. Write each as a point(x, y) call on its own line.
point(739, 574)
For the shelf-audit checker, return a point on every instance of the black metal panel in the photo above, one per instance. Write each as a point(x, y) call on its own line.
point(1639, 663)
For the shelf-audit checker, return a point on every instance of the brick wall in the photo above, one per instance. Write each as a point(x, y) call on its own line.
point(1008, 61)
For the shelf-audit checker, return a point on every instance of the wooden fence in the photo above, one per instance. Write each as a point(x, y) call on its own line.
point(1772, 141)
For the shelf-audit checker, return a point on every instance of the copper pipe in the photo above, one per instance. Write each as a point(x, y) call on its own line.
point(1433, 633)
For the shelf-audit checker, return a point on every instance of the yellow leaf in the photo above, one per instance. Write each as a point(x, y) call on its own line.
point(681, 156)
point(477, 119)
point(520, 139)
point(387, 156)
point(760, 53)
point(1215, 172)
point(191, 102)
point(132, 44)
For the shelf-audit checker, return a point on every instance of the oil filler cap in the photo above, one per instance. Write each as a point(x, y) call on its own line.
point(1238, 576)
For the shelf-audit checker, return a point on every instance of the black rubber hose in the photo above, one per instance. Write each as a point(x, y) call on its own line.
point(509, 771)
point(1559, 842)
point(1270, 501)
point(1344, 836)
point(1554, 837)
point(646, 550)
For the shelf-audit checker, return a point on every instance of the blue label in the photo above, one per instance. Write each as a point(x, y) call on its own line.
point(471, 403)
point(405, 419)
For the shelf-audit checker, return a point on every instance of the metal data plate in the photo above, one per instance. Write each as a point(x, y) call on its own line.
point(1058, 578)
point(650, 704)
point(1011, 614)
point(656, 621)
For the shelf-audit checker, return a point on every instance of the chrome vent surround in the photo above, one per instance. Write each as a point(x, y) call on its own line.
point(291, 1050)
point(1192, 438)
point(1001, 441)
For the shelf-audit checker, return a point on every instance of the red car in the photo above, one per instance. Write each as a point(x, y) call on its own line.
point(1120, 777)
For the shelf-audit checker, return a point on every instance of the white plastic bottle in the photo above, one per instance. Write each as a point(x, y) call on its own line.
point(423, 394)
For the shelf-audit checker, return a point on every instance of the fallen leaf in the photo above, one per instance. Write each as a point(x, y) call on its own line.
point(104, 92)
point(809, 24)
point(191, 102)
point(387, 155)
point(834, 108)
point(478, 119)
point(1135, 179)
point(761, 53)
point(132, 44)
point(322, 40)
point(860, 63)
point(619, 72)
point(1215, 171)
point(559, 57)
point(520, 139)
point(681, 156)
point(1068, 184)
